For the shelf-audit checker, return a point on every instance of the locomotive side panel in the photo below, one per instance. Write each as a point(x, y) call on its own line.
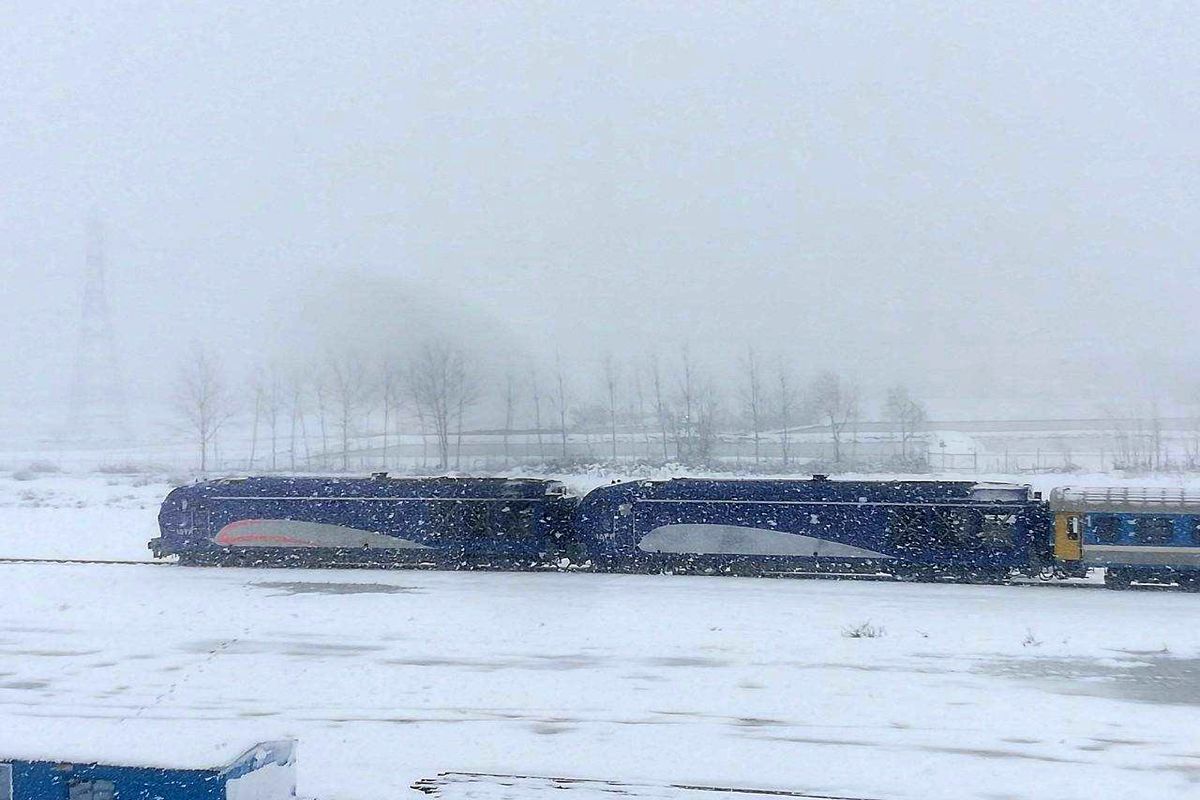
point(938, 529)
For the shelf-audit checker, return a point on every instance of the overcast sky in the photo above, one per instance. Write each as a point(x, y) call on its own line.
point(892, 190)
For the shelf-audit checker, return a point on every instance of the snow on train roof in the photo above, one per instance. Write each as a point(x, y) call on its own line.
point(1126, 499)
point(380, 485)
point(980, 491)
point(177, 744)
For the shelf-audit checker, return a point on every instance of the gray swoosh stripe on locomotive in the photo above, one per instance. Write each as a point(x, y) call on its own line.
point(298, 533)
point(704, 538)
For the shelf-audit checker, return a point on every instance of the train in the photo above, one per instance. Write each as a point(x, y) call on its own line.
point(917, 530)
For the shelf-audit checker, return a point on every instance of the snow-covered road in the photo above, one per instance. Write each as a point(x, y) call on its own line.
point(969, 691)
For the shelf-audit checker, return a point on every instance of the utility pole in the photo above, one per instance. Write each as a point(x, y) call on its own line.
point(98, 411)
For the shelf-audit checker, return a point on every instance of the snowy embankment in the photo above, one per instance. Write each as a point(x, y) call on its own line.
point(842, 688)
point(949, 692)
point(79, 516)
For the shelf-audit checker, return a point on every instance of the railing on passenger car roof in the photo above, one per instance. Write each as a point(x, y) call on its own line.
point(1113, 498)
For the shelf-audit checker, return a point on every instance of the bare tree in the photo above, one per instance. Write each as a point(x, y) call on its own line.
point(349, 389)
point(322, 392)
point(785, 408)
point(752, 401)
point(535, 389)
point(708, 420)
point(1159, 456)
point(835, 402)
point(699, 404)
point(906, 414)
point(442, 389)
point(419, 406)
point(296, 408)
point(684, 443)
point(274, 407)
point(468, 395)
point(611, 381)
point(560, 401)
point(510, 409)
point(203, 401)
point(638, 409)
point(389, 385)
point(1191, 446)
point(660, 408)
point(259, 391)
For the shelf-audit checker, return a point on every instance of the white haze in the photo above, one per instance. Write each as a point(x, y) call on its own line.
point(985, 201)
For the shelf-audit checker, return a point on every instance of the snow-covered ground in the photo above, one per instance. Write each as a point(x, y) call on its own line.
point(79, 516)
point(386, 677)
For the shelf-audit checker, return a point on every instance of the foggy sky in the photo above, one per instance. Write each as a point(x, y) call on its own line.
point(968, 198)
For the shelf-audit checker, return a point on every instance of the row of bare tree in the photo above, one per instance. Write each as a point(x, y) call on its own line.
point(325, 412)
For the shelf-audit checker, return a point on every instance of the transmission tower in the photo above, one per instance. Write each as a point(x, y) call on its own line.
point(98, 410)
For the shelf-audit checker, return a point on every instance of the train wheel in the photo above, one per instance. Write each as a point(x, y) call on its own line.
point(993, 576)
point(914, 574)
point(1117, 579)
point(1189, 582)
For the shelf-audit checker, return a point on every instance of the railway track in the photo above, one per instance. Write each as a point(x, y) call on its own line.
point(827, 576)
point(1022, 582)
point(103, 561)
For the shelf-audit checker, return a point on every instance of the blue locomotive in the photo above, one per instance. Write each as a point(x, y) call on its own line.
point(433, 522)
point(922, 530)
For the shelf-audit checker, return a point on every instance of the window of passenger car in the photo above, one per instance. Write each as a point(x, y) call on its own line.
point(5, 782)
point(1154, 530)
point(91, 790)
point(1106, 528)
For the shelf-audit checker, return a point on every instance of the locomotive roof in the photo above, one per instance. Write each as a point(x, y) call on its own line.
point(820, 488)
point(378, 486)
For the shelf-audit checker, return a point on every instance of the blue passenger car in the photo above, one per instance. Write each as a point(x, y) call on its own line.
point(912, 529)
point(1143, 535)
point(439, 522)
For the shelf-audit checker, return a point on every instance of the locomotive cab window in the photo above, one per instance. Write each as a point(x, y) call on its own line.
point(5, 782)
point(474, 518)
point(1154, 530)
point(952, 528)
point(1107, 528)
point(906, 528)
point(513, 519)
point(962, 528)
point(997, 530)
point(439, 516)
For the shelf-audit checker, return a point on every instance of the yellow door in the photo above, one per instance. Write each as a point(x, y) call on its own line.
point(1068, 539)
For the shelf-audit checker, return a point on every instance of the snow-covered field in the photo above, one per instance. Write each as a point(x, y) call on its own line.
point(386, 677)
